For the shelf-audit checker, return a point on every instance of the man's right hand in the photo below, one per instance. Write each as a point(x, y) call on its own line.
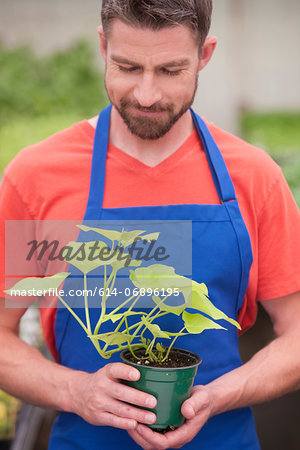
point(101, 399)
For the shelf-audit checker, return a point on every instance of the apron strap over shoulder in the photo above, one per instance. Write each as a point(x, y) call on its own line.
point(216, 162)
point(97, 180)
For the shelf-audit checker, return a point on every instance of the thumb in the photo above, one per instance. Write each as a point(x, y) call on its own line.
point(199, 400)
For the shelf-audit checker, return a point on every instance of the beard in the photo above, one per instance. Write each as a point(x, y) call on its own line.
point(152, 128)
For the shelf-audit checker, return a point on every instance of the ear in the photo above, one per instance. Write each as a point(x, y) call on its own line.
point(207, 51)
point(102, 42)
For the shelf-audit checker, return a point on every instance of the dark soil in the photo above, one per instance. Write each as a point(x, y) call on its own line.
point(177, 358)
point(164, 430)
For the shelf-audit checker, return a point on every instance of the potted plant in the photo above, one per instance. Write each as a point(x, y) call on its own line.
point(166, 372)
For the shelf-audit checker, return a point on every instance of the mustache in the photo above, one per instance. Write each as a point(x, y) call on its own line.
point(153, 108)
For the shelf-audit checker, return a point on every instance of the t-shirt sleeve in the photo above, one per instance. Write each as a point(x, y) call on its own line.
point(278, 244)
point(12, 208)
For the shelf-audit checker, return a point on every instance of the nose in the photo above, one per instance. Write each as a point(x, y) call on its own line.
point(147, 91)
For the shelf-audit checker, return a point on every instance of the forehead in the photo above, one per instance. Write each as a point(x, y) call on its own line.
point(168, 43)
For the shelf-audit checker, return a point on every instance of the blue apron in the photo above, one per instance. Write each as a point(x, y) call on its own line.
point(222, 258)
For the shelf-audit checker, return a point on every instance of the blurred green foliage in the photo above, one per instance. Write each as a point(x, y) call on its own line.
point(9, 407)
point(279, 135)
point(64, 82)
point(22, 131)
point(39, 96)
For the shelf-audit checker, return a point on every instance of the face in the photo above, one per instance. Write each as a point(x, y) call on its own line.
point(151, 76)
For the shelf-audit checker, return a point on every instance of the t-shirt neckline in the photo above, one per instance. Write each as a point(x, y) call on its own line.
point(133, 164)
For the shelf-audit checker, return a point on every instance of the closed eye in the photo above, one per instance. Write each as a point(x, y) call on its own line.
point(127, 69)
point(171, 73)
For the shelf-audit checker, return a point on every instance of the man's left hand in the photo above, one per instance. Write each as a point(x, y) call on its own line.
point(197, 410)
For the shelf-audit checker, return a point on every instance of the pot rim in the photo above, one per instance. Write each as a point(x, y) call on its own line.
point(180, 350)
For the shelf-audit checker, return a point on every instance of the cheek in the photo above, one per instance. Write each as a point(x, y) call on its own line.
point(177, 91)
point(117, 86)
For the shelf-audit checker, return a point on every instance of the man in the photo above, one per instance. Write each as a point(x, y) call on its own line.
point(162, 155)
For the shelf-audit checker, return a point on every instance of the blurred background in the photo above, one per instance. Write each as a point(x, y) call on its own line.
point(51, 75)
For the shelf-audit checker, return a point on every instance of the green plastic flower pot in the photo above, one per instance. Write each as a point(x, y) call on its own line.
point(170, 386)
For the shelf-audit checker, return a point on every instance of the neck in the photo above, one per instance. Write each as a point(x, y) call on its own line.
point(150, 153)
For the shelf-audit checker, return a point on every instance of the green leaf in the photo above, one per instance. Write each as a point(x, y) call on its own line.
point(155, 329)
point(150, 237)
point(112, 338)
point(160, 348)
point(196, 323)
point(120, 236)
point(124, 238)
point(115, 317)
point(127, 237)
point(125, 260)
point(110, 234)
point(197, 300)
point(168, 308)
point(200, 287)
point(143, 340)
point(159, 276)
point(45, 284)
point(82, 256)
point(145, 237)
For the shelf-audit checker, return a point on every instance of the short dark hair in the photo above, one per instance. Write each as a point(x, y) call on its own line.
point(158, 14)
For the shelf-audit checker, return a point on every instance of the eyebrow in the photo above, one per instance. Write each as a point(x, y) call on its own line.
point(175, 63)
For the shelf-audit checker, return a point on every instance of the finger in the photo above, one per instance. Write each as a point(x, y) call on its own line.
point(127, 411)
point(133, 396)
point(140, 440)
point(117, 422)
point(200, 400)
point(188, 411)
point(120, 371)
point(172, 439)
point(181, 436)
point(155, 440)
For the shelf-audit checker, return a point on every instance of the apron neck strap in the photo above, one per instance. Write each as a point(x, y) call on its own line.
point(221, 177)
point(97, 179)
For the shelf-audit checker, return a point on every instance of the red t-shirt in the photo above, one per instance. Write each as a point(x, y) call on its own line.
point(50, 181)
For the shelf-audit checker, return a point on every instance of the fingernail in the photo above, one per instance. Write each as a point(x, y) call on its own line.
point(132, 424)
point(192, 411)
point(151, 402)
point(150, 418)
point(134, 375)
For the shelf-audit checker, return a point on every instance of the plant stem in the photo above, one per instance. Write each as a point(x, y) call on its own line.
point(126, 313)
point(157, 306)
point(73, 314)
point(123, 347)
point(121, 306)
point(129, 343)
point(132, 326)
point(96, 344)
point(103, 301)
point(172, 343)
point(86, 305)
point(158, 315)
point(149, 351)
point(124, 318)
point(149, 315)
